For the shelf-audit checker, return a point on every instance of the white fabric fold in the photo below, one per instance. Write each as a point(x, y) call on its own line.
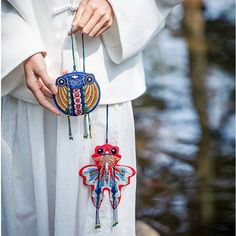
point(14, 29)
point(136, 23)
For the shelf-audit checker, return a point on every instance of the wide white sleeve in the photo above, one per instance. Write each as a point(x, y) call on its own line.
point(19, 40)
point(136, 23)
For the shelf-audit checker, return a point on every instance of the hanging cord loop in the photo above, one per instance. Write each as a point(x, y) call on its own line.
point(68, 89)
point(73, 51)
point(87, 119)
point(83, 52)
point(68, 110)
point(107, 120)
point(115, 211)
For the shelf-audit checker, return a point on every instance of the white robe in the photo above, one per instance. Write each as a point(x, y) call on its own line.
point(42, 193)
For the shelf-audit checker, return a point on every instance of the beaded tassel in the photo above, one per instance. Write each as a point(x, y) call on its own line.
point(85, 127)
point(97, 223)
point(69, 127)
point(114, 202)
point(115, 217)
point(90, 126)
point(68, 112)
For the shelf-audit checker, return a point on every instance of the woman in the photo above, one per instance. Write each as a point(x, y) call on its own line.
point(42, 191)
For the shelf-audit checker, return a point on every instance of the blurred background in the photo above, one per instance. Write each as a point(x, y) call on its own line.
point(185, 123)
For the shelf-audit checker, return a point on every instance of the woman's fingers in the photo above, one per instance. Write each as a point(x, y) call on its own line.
point(64, 72)
point(78, 15)
point(36, 65)
point(47, 80)
point(105, 28)
point(102, 26)
point(34, 86)
point(44, 89)
point(87, 14)
point(93, 17)
point(46, 92)
point(93, 22)
point(39, 82)
point(44, 102)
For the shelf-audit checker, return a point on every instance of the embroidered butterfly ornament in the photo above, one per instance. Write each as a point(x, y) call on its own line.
point(106, 174)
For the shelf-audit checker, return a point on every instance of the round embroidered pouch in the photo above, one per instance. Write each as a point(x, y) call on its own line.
point(78, 93)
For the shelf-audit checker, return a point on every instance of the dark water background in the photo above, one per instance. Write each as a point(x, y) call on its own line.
point(185, 125)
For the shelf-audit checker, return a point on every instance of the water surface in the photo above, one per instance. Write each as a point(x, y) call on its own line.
point(185, 127)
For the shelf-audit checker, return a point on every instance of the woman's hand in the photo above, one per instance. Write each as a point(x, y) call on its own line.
point(39, 82)
point(93, 17)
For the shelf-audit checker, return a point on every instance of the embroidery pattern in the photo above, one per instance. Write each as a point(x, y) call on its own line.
point(78, 93)
point(106, 174)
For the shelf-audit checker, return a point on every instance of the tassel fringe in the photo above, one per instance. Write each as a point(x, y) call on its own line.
point(69, 127)
point(87, 127)
point(115, 217)
point(90, 127)
point(97, 223)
